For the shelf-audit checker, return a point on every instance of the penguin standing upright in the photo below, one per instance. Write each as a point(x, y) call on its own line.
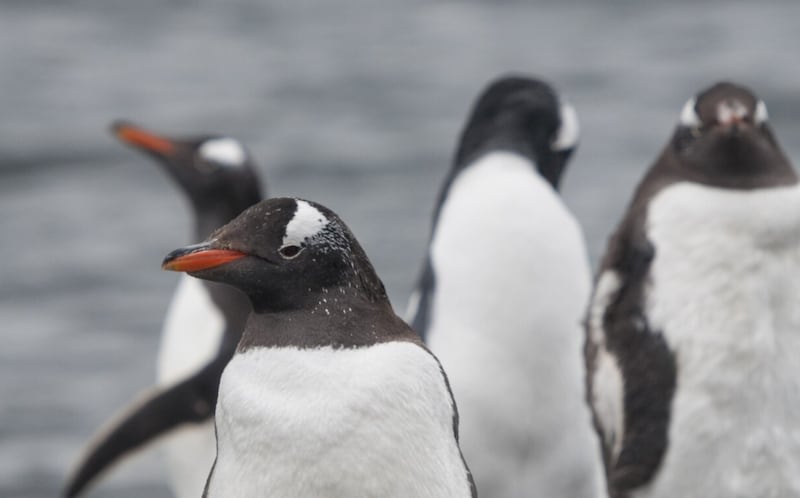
point(502, 296)
point(329, 392)
point(693, 333)
point(203, 324)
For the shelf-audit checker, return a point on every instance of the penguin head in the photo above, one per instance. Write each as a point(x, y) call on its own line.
point(723, 137)
point(522, 115)
point(282, 252)
point(217, 173)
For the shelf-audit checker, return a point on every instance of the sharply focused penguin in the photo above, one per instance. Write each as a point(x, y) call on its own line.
point(693, 346)
point(502, 296)
point(203, 324)
point(329, 392)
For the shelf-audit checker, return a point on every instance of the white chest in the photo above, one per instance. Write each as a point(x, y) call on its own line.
point(363, 422)
point(508, 258)
point(193, 329)
point(512, 283)
point(724, 292)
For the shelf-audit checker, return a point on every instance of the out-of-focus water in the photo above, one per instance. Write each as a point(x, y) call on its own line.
point(354, 103)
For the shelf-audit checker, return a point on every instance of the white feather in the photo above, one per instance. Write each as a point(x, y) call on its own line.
point(306, 222)
point(363, 422)
point(725, 287)
point(689, 117)
point(193, 329)
point(761, 115)
point(192, 332)
point(730, 110)
point(607, 382)
point(224, 151)
point(604, 292)
point(512, 284)
point(569, 131)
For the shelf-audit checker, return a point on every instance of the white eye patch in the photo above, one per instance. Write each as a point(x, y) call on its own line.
point(689, 117)
point(761, 113)
point(569, 132)
point(306, 222)
point(223, 151)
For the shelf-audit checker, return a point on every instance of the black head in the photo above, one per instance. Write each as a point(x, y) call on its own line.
point(216, 173)
point(283, 253)
point(521, 115)
point(723, 139)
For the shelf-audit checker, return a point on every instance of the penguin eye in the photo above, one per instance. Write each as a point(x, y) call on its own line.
point(290, 251)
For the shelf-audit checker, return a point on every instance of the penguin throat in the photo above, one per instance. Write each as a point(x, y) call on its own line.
point(734, 161)
point(478, 141)
point(333, 321)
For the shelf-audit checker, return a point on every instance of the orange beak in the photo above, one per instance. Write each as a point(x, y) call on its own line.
point(142, 139)
point(199, 257)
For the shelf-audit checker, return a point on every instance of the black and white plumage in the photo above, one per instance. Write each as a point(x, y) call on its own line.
point(693, 333)
point(502, 296)
point(329, 392)
point(202, 327)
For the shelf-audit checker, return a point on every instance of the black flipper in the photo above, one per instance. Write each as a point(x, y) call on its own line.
point(645, 361)
point(190, 401)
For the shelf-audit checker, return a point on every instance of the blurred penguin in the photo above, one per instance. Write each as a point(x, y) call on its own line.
point(202, 327)
point(693, 347)
point(503, 293)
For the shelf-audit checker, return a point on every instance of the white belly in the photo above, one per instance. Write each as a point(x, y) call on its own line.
point(725, 288)
point(191, 337)
point(367, 422)
point(512, 283)
point(192, 332)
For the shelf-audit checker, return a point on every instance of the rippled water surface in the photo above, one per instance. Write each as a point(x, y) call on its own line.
point(354, 103)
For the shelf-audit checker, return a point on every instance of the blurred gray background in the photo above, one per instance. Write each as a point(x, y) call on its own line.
point(352, 103)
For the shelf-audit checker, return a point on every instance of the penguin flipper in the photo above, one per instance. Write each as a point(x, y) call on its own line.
point(631, 371)
point(152, 414)
point(417, 314)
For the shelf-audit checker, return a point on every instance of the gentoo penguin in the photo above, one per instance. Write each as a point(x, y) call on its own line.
point(203, 323)
point(693, 333)
point(503, 293)
point(329, 392)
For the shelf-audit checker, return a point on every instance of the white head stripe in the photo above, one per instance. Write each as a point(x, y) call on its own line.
point(224, 151)
point(569, 132)
point(761, 113)
point(306, 223)
point(689, 117)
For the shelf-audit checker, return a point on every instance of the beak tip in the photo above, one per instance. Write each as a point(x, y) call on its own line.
point(172, 260)
point(168, 264)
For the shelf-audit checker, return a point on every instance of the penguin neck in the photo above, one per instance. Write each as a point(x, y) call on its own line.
point(333, 317)
point(548, 163)
point(473, 145)
point(741, 164)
